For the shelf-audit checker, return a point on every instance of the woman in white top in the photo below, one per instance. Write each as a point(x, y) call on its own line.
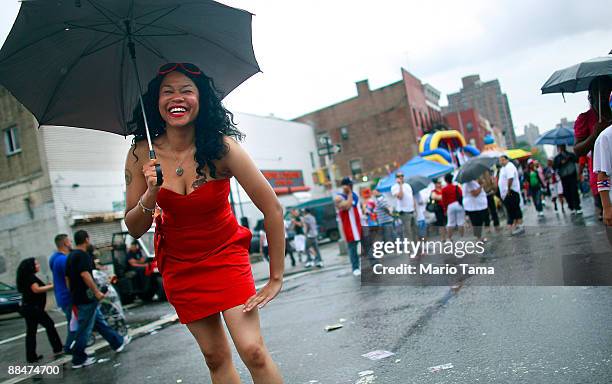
point(475, 205)
point(602, 165)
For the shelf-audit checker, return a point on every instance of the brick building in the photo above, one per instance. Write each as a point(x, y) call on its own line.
point(488, 98)
point(379, 129)
point(473, 126)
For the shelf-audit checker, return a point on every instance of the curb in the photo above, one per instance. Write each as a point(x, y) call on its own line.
point(305, 271)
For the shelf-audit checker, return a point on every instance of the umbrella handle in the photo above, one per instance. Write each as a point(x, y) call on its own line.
point(158, 171)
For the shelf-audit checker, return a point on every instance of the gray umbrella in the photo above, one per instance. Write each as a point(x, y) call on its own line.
point(79, 63)
point(418, 183)
point(578, 77)
point(474, 168)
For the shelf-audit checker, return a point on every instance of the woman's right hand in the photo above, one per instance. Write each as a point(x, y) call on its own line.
point(150, 175)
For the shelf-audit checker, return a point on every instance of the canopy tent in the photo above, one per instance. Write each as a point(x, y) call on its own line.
point(517, 154)
point(415, 167)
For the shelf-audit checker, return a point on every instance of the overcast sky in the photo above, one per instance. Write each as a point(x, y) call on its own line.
point(312, 52)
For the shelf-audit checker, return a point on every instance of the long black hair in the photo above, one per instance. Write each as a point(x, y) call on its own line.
point(212, 124)
point(25, 270)
point(597, 85)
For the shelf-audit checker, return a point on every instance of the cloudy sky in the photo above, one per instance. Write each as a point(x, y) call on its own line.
point(312, 52)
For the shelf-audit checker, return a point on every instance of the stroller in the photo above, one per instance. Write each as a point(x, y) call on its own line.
point(110, 306)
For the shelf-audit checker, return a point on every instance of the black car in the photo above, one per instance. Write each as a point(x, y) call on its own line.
point(10, 298)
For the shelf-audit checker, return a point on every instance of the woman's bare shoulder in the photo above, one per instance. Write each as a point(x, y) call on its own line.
point(223, 164)
point(137, 153)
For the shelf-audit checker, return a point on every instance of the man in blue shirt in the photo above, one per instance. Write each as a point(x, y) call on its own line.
point(57, 263)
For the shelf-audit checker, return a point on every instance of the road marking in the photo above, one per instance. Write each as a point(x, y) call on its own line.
point(57, 325)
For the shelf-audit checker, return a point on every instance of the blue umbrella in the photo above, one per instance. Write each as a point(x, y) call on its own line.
point(557, 136)
point(415, 167)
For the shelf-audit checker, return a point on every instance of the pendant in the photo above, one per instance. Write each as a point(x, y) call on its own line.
point(179, 171)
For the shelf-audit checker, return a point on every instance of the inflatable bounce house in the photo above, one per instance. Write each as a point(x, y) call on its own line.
point(446, 147)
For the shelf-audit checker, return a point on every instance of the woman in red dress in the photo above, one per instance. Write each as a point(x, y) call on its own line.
point(201, 251)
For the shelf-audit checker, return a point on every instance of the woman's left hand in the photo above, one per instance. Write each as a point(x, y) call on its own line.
point(261, 298)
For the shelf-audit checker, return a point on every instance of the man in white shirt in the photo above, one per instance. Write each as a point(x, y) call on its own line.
point(510, 190)
point(476, 206)
point(405, 205)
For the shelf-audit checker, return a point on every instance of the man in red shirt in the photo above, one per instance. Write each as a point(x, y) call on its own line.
point(452, 197)
point(587, 127)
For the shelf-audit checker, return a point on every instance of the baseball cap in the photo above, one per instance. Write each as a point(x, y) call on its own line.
point(346, 181)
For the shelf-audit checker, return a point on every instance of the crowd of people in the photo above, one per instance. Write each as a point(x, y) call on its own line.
point(447, 208)
point(76, 293)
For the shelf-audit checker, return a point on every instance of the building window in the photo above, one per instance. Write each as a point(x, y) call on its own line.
point(355, 166)
point(469, 126)
point(11, 141)
point(344, 133)
point(312, 160)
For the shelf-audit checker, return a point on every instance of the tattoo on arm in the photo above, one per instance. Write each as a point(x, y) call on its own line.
point(128, 177)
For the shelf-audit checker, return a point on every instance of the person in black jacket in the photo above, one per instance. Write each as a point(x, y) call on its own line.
point(565, 165)
point(34, 299)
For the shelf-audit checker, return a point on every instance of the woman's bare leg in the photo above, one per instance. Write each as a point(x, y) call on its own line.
point(244, 330)
point(211, 338)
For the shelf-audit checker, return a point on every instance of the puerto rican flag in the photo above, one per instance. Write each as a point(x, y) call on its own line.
point(351, 219)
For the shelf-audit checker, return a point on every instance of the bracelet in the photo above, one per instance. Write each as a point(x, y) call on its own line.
point(145, 210)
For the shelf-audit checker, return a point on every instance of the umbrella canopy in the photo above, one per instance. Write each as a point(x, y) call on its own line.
point(516, 154)
point(76, 63)
point(474, 168)
point(578, 77)
point(415, 167)
point(557, 136)
point(418, 183)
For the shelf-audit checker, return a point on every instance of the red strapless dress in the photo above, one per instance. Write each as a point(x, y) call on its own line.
point(201, 251)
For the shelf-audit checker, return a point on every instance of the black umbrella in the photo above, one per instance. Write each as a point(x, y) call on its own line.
point(79, 63)
point(474, 168)
point(418, 183)
point(578, 77)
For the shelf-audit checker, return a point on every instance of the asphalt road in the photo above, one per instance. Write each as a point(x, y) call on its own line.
point(480, 332)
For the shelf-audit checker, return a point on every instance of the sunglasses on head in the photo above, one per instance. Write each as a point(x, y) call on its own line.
point(187, 67)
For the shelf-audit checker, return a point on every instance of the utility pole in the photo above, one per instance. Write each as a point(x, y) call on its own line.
point(328, 149)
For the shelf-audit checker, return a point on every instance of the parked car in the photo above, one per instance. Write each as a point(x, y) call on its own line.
point(10, 298)
point(324, 211)
point(127, 282)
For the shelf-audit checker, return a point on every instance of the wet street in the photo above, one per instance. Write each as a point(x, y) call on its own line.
point(482, 331)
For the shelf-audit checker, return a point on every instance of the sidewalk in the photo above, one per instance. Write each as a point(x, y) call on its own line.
point(329, 254)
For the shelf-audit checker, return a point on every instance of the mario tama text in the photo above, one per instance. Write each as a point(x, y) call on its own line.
point(431, 269)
